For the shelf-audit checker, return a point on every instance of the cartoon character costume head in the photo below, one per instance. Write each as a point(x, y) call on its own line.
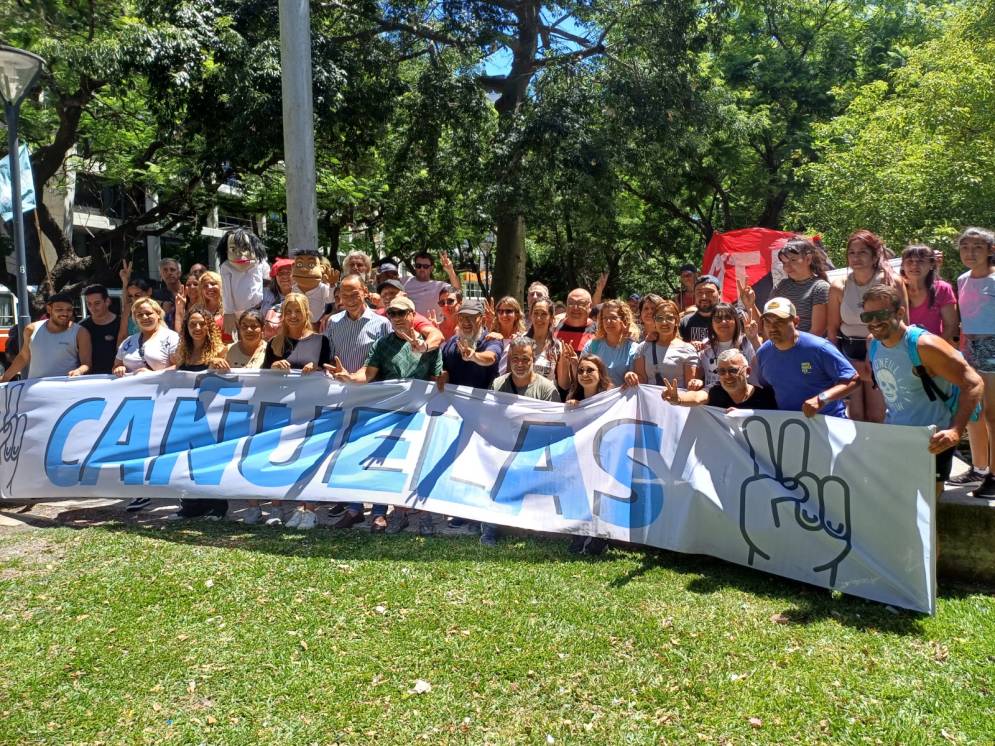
point(307, 272)
point(243, 249)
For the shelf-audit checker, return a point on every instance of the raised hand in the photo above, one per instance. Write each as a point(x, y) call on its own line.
point(125, 273)
point(337, 371)
point(670, 393)
point(465, 350)
point(414, 339)
point(782, 488)
point(747, 295)
point(696, 384)
point(447, 263)
point(490, 315)
point(432, 316)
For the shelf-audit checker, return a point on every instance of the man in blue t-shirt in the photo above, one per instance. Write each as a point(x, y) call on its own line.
point(806, 372)
point(468, 357)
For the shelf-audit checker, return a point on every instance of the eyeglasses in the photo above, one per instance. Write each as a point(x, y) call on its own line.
point(586, 371)
point(728, 371)
point(665, 319)
point(422, 265)
point(396, 313)
point(506, 312)
point(447, 302)
point(884, 314)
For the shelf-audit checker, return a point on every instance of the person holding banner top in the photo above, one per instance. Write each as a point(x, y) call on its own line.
point(917, 372)
point(733, 391)
point(200, 344)
point(807, 372)
point(521, 380)
point(666, 355)
point(56, 346)
point(403, 354)
point(296, 347)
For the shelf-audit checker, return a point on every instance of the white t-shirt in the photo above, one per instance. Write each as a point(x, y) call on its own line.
point(425, 295)
point(153, 354)
point(241, 291)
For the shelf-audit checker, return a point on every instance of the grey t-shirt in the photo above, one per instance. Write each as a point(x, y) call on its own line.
point(812, 292)
point(540, 388)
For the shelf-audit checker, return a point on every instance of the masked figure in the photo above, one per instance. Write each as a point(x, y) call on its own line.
point(308, 279)
point(243, 274)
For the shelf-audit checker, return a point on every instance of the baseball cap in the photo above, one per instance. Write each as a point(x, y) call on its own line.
point(635, 297)
point(390, 284)
point(388, 267)
point(471, 307)
point(402, 301)
point(780, 307)
point(279, 264)
point(707, 279)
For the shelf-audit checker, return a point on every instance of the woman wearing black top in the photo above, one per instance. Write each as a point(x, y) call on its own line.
point(296, 347)
point(200, 342)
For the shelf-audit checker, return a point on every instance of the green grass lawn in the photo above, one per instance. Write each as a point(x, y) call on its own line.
point(216, 633)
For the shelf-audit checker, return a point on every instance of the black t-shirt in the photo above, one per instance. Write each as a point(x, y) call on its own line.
point(103, 341)
point(694, 328)
point(314, 348)
point(761, 398)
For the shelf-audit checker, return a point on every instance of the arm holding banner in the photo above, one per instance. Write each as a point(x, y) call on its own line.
point(942, 361)
point(23, 357)
point(84, 349)
point(841, 390)
point(673, 395)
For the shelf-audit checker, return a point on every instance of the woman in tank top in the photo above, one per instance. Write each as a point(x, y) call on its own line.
point(867, 259)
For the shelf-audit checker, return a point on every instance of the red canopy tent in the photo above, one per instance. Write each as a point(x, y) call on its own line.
point(747, 252)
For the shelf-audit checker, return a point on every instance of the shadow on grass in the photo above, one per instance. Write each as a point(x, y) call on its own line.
point(804, 604)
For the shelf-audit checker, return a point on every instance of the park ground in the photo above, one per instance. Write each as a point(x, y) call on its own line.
point(124, 629)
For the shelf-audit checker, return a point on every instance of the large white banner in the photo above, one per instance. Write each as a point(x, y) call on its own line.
point(834, 503)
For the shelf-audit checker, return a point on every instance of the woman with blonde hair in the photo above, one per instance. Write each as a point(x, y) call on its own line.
point(209, 288)
point(297, 347)
point(509, 323)
point(667, 356)
point(611, 341)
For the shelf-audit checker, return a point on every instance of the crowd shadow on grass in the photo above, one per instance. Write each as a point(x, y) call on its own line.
point(804, 604)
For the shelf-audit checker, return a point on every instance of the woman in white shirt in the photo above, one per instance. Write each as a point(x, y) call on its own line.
point(151, 348)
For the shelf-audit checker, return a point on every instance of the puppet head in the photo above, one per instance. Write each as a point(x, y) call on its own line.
point(243, 249)
point(307, 269)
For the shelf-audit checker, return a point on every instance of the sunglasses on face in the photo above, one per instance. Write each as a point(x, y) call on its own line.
point(664, 319)
point(506, 312)
point(419, 265)
point(397, 313)
point(867, 317)
point(587, 371)
point(728, 371)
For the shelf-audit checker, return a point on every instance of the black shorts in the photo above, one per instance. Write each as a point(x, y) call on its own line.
point(854, 348)
point(944, 463)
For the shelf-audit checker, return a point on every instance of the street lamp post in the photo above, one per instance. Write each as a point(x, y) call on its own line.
point(18, 72)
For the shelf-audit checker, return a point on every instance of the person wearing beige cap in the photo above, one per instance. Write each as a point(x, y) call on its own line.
point(402, 354)
point(807, 372)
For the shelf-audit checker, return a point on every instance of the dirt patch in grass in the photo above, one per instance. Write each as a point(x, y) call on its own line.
point(19, 557)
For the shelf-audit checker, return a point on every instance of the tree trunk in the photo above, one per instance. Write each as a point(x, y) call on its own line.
point(509, 263)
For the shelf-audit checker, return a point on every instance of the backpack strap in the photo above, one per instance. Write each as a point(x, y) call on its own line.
point(933, 392)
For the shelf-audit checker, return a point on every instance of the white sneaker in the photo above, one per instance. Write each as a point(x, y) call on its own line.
point(252, 515)
point(307, 520)
point(295, 519)
point(275, 517)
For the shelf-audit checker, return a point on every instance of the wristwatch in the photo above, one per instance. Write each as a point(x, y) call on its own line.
point(823, 398)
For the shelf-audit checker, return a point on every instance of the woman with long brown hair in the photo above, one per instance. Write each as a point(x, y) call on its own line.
point(867, 259)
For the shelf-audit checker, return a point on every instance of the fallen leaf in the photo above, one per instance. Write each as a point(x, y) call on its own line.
point(381, 609)
point(191, 686)
point(756, 722)
point(780, 619)
point(209, 583)
point(304, 644)
point(421, 687)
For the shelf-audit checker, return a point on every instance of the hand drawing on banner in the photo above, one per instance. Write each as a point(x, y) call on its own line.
point(781, 479)
point(13, 427)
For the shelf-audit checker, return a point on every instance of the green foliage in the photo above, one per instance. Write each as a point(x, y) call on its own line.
point(913, 156)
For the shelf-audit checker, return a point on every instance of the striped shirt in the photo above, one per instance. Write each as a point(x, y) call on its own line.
point(352, 339)
point(811, 292)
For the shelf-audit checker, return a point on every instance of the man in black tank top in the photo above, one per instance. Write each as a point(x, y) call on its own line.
point(103, 327)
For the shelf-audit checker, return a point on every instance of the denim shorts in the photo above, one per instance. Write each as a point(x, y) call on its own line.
point(981, 353)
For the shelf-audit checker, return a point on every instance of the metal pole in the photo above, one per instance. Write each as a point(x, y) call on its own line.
point(23, 313)
point(298, 124)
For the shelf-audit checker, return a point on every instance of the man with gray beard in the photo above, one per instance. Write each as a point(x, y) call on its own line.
point(468, 357)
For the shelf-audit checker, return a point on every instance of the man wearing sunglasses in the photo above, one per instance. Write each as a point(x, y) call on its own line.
point(422, 289)
point(807, 373)
point(917, 392)
point(390, 289)
point(733, 391)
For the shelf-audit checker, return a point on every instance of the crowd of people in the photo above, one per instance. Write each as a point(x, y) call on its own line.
point(903, 348)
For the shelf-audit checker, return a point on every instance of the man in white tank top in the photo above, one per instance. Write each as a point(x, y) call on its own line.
point(56, 346)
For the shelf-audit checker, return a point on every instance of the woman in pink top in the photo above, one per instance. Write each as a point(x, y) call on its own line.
point(931, 300)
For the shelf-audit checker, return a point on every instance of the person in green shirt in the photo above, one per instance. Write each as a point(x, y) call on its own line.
point(403, 354)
